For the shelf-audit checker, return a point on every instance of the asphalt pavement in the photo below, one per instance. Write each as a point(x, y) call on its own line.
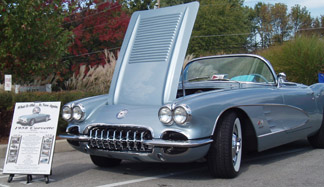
point(295, 164)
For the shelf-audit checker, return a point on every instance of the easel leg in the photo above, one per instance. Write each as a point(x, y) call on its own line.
point(11, 176)
point(46, 179)
point(29, 178)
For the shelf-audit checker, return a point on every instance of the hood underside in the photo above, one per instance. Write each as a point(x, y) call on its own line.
point(151, 58)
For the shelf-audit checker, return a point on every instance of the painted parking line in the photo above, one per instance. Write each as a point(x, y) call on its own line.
point(15, 177)
point(3, 185)
point(37, 180)
point(149, 178)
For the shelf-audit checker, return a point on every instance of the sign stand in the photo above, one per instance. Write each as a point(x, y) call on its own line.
point(32, 139)
point(29, 178)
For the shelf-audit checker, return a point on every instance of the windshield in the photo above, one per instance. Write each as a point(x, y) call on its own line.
point(238, 68)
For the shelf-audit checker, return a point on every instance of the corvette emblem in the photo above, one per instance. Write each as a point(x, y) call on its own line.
point(122, 114)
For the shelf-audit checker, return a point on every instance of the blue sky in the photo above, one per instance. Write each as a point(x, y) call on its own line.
point(315, 7)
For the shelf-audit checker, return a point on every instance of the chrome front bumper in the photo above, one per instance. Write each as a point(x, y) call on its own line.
point(151, 143)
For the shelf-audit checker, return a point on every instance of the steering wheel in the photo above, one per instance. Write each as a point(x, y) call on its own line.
point(261, 77)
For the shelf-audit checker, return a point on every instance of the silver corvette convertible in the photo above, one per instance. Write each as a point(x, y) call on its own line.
point(158, 111)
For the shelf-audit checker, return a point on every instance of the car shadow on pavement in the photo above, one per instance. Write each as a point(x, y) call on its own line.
point(199, 170)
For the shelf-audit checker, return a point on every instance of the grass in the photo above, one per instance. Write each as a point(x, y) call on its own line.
point(97, 79)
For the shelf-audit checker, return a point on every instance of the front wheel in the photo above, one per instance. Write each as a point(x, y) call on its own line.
point(105, 161)
point(224, 157)
point(32, 122)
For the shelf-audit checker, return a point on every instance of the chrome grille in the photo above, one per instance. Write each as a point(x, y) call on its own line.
point(120, 138)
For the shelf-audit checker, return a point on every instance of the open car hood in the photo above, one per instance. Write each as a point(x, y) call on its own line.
point(148, 69)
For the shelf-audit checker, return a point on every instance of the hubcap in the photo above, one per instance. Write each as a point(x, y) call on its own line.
point(237, 144)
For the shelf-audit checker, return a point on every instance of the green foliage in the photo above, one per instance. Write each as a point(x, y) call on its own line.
point(221, 26)
point(32, 39)
point(8, 100)
point(5, 100)
point(136, 5)
point(165, 3)
point(300, 18)
point(301, 58)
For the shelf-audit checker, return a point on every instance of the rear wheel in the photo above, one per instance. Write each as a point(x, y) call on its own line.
point(104, 161)
point(224, 157)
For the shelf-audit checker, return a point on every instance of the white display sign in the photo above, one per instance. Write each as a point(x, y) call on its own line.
point(8, 82)
point(32, 138)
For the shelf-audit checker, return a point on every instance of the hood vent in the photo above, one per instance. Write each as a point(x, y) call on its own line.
point(154, 39)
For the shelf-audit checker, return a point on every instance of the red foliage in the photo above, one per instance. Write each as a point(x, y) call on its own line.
point(96, 29)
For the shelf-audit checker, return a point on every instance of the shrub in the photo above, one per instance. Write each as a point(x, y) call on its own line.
point(301, 59)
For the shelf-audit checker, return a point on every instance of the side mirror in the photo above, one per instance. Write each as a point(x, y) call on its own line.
point(281, 77)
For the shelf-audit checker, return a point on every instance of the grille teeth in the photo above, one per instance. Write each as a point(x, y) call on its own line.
point(120, 139)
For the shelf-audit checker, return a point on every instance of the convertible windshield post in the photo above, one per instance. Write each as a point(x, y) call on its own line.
point(182, 82)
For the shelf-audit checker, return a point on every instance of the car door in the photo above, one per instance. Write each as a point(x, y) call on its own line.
point(301, 106)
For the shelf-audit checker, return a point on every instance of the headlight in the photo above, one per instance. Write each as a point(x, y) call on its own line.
point(66, 113)
point(181, 114)
point(165, 115)
point(23, 119)
point(78, 112)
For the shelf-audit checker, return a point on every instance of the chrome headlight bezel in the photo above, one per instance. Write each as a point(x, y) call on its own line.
point(178, 114)
point(67, 113)
point(78, 112)
point(181, 114)
point(166, 115)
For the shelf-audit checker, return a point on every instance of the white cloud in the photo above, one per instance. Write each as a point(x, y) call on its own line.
point(312, 3)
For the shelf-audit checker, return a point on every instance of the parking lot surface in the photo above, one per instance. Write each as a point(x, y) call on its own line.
point(295, 164)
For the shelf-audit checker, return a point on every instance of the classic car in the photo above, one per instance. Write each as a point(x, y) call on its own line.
point(221, 106)
point(31, 119)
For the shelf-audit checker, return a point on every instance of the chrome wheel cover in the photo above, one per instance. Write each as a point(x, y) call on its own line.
point(237, 144)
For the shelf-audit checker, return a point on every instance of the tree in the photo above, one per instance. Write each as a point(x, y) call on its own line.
point(263, 24)
point(300, 18)
point(165, 3)
point(280, 22)
point(96, 27)
point(135, 5)
point(221, 26)
point(32, 38)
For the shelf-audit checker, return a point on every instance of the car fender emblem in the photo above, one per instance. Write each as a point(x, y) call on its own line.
point(122, 114)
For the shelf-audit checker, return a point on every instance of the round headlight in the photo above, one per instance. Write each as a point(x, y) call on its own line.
point(180, 115)
point(66, 113)
point(78, 113)
point(165, 115)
